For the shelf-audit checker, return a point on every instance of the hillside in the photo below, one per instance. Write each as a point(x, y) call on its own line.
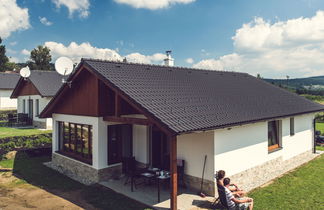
point(300, 83)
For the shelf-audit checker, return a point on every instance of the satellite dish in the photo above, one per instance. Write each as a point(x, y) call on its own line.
point(25, 72)
point(64, 66)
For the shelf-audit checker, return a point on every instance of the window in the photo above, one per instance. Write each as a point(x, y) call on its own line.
point(75, 141)
point(24, 106)
point(292, 126)
point(37, 107)
point(273, 135)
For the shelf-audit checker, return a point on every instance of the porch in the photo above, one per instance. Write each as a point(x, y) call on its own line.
point(148, 194)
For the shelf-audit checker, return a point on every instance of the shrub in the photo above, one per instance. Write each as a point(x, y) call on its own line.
point(4, 114)
point(25, 142)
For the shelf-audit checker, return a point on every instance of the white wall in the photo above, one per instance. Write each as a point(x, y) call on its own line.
point(43, 101)
point(5, 101)
point(303, 138)
point(243, 147)
point(192, 148)
point(140, 143)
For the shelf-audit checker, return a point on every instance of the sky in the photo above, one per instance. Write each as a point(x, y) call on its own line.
point(272, 38)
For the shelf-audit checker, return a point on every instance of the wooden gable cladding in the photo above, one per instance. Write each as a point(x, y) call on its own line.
point(89, 96)
point(81, 98)
point(26, 88)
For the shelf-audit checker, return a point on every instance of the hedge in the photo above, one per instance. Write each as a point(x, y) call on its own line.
point(25, 142)
point(4, 114)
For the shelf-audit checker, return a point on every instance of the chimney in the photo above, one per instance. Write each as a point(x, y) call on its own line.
point(169, 61)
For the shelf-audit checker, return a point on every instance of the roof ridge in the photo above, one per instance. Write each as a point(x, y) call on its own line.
point(157, 65)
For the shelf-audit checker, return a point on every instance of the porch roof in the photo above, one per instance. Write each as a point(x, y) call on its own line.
point(185, 99)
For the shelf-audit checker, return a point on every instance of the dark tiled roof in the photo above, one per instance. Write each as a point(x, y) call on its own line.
point(191, 99)
point(46, 82)
point(8, 81)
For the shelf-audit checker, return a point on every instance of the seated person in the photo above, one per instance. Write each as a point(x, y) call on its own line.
point(219, 175)
point(234, 188)
point(236, 203)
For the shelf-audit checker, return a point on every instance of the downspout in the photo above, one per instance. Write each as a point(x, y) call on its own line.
point(314, 134)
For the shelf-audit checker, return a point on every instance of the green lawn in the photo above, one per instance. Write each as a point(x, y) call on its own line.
point(9, 132)
point(31, 170)
point(320, 127)
point(300, 189)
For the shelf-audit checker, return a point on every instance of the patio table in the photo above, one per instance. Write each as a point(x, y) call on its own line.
point(159, 177)
point(156, 175)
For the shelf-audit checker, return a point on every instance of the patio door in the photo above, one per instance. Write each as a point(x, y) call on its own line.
point(120, 140)
point(160, 156)
point(30, 109)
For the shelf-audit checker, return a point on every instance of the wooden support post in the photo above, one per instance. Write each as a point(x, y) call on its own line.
point(117, 105)
point(173, 172)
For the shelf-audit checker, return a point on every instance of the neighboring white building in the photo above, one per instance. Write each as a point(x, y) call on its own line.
point(251, 129)
point(8, 82)
point(34, 93)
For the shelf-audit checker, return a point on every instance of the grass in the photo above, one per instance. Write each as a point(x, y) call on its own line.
point(300, 189)
point(10, 132)
point(320, 127)
point(320, 148)
point(7, 163)
point(31, 172)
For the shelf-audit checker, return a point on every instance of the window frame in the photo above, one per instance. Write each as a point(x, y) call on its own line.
point(37, 107)
point(278, 134)
point(24, 106)
point(292, 126)
point(72, 140)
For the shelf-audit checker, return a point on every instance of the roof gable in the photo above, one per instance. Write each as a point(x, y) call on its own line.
point(24, 88)
point(46, 83)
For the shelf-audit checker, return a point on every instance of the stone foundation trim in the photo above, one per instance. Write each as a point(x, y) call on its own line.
point(194, 183)
point(82, 172)
point(39, 124)
point(262, 174)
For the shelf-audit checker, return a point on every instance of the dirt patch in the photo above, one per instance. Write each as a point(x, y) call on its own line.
point(15, 194)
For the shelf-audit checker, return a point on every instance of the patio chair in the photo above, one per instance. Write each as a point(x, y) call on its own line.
point(23, 119)
point(221, 202)
point(180, 169)
point(11, 120)
point(130, 170)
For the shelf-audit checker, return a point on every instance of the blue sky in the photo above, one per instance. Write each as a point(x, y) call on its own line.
point(199, 32)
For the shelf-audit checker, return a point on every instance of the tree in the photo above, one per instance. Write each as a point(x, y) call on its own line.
point(3, 58)
point(12, 66)
point(40, 58)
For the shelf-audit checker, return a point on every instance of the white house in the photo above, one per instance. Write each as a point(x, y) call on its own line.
point(8, 82)
point(34, 93)
point(159, 114)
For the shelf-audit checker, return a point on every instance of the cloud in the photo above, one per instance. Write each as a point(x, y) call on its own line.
point(294, 47)
point(44, 21)
point(190, 60)
point(12, 18)
point(25, 52)
point(13, 59)
point(153, 4)
point(86, 50)
point(79, 6)
point(139, 58)
point(13, 43)
point(10, 51)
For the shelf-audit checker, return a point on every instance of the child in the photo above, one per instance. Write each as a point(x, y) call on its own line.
point(234, 188)
point(236, 203)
